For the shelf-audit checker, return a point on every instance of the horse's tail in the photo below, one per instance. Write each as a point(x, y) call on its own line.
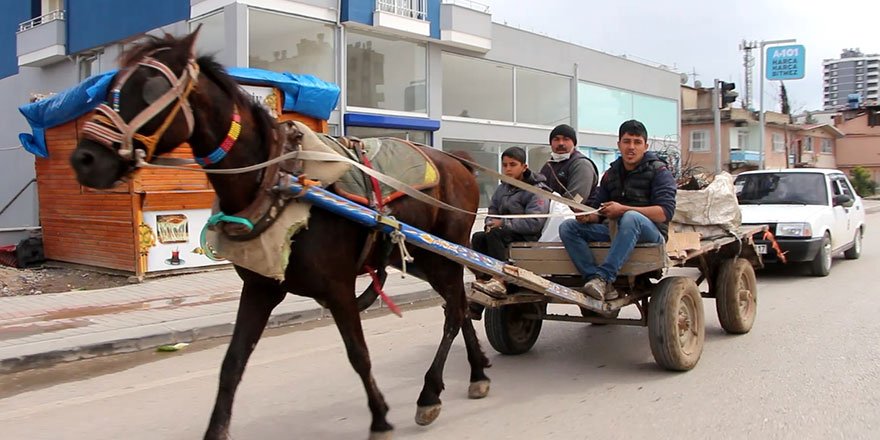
point(466, 157)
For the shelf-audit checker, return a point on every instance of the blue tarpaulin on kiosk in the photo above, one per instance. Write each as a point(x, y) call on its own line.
point(305, 94)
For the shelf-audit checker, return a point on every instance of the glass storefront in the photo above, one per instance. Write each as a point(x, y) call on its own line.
point(212, 36)
point(286, 43)
point(475, 88)
point(417, 136)
point(386, 73)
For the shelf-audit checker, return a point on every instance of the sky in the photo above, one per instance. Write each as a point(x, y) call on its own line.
point(704, 36)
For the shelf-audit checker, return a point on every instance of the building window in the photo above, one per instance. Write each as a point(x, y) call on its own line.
point(475, 88)
point(808, 144)
point(418, 136)
point(778, 143)
point(386, 73)
point(858, 77)
point(827, 146)
point(742, 140)
point(659, 115)
point(834, 88)
point(858, 63)
point(212, 37)
point(284, 43)
point(699, 140)
point(488, 154)
point(834, 81)
point(542, 98)
point(602, 109)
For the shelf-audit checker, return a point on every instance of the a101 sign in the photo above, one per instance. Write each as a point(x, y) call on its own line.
point(785, 62)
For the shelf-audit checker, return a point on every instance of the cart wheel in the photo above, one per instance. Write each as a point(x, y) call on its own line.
point(736, 295)
point(587, 313)
point(509, 332)
point(676, 323)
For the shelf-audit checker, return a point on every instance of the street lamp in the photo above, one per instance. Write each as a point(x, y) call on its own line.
point(761, 101)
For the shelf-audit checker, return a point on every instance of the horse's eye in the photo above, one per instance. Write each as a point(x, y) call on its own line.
point(154, 88)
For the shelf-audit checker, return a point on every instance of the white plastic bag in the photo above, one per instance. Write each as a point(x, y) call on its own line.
point(550, 233)
point(714, 205)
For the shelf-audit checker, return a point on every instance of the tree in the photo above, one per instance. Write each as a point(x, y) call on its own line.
point(861, 180)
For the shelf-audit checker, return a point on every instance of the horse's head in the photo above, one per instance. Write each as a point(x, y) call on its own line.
point(146, 112)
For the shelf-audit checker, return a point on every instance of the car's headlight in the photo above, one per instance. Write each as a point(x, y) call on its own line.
point(794, 230)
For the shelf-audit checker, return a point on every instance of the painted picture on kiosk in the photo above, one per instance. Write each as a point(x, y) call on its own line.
point(173, 228)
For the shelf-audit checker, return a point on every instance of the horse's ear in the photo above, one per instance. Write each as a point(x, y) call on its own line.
point(190, 40)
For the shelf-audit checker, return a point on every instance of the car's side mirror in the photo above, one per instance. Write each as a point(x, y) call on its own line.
point(843, 200)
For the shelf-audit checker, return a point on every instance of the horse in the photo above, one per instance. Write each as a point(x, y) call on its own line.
point(163, 88)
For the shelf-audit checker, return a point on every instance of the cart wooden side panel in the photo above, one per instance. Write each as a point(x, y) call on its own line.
point(551, 258)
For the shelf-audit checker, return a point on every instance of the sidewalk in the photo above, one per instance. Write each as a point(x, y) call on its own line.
point(42, 330)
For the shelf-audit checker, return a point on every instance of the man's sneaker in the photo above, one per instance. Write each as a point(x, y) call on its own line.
point(600, 289)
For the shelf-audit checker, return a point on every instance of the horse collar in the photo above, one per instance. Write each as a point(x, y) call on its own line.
point(220, 152)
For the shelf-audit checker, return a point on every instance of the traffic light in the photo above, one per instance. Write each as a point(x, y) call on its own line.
point(726, 93)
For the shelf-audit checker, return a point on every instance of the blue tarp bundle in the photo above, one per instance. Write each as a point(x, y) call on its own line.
point(304, 94)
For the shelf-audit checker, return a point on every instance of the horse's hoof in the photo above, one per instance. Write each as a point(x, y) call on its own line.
point(478, 389)
point(425, 415)
point(384, 435)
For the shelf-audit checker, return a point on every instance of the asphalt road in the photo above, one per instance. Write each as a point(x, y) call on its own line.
point(810, 368)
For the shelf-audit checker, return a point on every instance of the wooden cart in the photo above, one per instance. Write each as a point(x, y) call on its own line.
point(670, 306)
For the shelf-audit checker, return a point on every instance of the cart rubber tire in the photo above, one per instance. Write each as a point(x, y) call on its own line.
point(821, 265)
point(508, 332)
point(855, 251)
point(587, 313)
point(676, 323)
point(736, 295)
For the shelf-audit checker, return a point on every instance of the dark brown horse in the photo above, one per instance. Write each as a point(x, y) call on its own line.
point(200, 112)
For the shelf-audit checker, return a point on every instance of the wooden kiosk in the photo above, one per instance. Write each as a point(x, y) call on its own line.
point(149, 224)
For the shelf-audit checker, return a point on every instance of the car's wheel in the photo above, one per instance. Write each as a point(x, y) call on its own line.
point(855, 251)
point(821, 265)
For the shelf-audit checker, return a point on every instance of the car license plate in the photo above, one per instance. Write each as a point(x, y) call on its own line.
point(762, 248)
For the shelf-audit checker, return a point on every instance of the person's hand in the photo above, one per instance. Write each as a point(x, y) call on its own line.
point(494, 223)
point(586, 218)
point(612, 209)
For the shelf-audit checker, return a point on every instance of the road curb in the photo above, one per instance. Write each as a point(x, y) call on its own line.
point(155, 335)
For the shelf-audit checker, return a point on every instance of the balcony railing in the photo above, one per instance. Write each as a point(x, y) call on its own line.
point(479, 7)
point(34, 22)
point(417, 9)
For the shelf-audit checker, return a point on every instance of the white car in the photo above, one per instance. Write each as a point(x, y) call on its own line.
point(814, 214)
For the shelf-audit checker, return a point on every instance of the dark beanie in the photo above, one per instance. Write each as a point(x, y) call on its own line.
point(515, 153)
point(565, 130)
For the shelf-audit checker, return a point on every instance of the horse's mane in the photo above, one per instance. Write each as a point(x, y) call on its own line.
point(209, 67)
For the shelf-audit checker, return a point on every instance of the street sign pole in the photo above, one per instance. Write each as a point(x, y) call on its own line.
point(716, 111)
point(761, 92)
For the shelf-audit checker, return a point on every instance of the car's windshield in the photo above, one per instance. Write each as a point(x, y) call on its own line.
point(781, 189)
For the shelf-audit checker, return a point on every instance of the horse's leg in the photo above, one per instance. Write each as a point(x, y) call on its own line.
point(348, 321)
point(447, 278)
point(259, 296)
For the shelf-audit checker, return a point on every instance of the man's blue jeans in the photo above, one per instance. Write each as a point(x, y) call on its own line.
point(632, 228)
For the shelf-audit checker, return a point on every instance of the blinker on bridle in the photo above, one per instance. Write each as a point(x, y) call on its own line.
point(108, 128)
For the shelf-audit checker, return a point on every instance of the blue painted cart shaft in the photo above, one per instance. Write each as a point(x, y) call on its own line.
point(458, 253)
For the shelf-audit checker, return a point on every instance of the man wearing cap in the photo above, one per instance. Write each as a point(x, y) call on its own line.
point(568, 172)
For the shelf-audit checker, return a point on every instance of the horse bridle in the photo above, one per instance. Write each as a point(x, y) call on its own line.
point(108, 128)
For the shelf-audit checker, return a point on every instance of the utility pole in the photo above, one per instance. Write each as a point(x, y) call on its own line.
point(748, 63)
